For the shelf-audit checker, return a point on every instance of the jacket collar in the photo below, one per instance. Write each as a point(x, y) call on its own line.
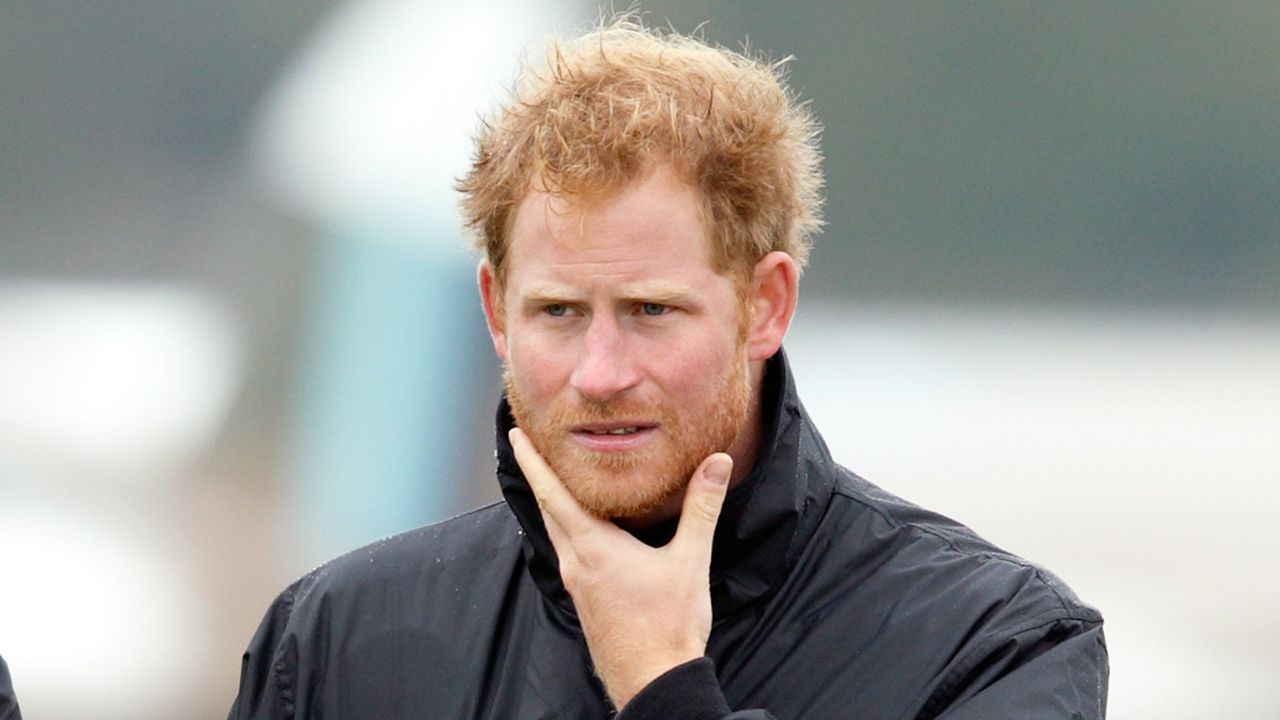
point(766, 521)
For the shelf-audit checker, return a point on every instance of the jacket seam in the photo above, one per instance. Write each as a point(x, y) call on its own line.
point(971, 659)
point(1071, 609)
point(284, 675)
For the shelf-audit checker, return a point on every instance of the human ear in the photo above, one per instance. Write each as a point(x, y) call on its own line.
point(493, 308)
point(774, 290)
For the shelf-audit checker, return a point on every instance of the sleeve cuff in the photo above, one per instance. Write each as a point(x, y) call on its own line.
point(685, 692)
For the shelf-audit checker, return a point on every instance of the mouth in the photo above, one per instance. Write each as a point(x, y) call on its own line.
point(616, 431)
point(613, 436)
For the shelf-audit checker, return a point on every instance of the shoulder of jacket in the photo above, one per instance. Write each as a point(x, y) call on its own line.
point(991, 570)
point(461, 546)
point(352, 595)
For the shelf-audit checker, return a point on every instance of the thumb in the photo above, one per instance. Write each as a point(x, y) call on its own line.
point(702, 502)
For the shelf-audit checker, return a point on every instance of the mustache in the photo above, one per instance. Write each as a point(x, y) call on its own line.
point(588, 412)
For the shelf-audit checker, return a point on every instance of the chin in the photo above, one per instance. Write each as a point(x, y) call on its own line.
point(631, 498)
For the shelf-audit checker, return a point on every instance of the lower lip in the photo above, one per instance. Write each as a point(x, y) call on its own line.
point(614, 443)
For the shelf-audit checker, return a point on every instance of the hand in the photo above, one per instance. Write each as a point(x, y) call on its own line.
point(643, 610)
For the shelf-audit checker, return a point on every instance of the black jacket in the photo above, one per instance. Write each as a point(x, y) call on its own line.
point(831, 599)
point(8, 701)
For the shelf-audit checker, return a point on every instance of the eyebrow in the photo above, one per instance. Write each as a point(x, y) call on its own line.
point(544, 290)
point(647, 291)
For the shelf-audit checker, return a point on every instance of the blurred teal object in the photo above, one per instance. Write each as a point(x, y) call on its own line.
point(387, 397)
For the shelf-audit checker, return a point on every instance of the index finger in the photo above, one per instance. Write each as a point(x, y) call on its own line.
point(553, 497)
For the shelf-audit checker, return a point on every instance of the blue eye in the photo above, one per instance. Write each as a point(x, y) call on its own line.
point(653, 308)
point(556, 310)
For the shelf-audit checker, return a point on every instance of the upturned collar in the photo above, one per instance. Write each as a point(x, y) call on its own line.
point(765, 522)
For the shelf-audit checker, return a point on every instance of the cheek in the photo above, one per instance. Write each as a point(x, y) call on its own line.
point(694, 369)
point(538, 367)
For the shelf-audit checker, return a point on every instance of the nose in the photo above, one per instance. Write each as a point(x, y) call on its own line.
point(605, 367)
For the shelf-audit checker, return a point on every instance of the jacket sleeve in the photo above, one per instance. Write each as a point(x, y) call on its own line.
point(686, 692)
point(268, 668)
point(1052, 670)
point(1057, 670)
point(8, 700)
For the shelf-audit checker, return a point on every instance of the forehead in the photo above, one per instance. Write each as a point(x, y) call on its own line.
point(653, 226)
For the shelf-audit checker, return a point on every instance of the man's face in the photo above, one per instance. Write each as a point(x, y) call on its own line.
point(625, 351)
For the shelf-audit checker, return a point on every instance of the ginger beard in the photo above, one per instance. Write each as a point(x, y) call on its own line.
point(621, 485)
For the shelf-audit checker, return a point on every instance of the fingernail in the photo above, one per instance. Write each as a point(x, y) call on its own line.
point(719, 468)
point(511, 436)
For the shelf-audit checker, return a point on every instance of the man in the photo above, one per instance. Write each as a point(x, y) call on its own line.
point(675, 540)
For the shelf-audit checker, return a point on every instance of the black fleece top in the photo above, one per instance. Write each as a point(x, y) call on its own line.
point(831, 599)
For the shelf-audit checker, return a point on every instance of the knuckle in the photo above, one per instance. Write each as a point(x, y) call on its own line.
point(587, 558)
point(707, 507)
point(570, 571)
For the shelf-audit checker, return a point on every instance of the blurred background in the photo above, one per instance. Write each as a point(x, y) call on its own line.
point(239, 335)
